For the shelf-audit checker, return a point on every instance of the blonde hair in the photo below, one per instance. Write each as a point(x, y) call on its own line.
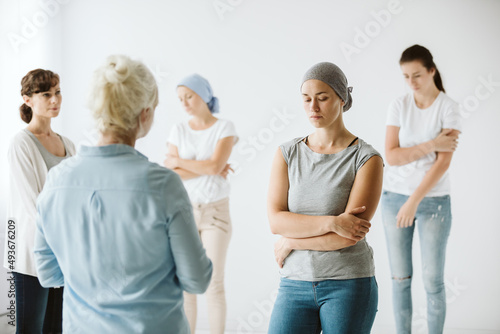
point(121, 88)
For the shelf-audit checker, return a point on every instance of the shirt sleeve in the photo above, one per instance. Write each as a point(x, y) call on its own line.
point(393, 114)
point(452, 118)
point(193, 267)
point(48, 270)
point(228, 130)
point(365, 153)
point(174, 135)
point(23, 182)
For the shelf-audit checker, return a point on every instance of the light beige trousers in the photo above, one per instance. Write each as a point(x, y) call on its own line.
point(214, 226)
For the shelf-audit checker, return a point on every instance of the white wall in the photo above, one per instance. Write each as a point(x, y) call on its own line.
point(254, 55)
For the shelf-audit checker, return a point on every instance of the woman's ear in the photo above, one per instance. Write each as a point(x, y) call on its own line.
point(27, 101)
point(145, 114)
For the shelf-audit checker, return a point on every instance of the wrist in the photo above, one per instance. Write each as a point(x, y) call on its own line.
point(415, 200)
point(288, 243)
point(432, 145)
point(332, 224)
point(178, 162)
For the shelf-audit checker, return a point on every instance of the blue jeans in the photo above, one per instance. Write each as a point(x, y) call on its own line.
point(38, 309)
point(334, 306)
point(433, 220)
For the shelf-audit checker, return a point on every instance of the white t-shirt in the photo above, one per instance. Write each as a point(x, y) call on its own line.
point(418, 126)
point(200, 145)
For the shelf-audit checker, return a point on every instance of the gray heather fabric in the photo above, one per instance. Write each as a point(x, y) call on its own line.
point(320, 184)
point(332, 75)
point(50, 159)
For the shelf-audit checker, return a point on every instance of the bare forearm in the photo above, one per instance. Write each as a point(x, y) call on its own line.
point(327, 242)
point(399, 156)
point(294, 225)
point(201, 167)
point(185, 174)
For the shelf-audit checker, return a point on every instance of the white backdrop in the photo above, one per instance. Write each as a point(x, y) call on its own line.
point(254, 54)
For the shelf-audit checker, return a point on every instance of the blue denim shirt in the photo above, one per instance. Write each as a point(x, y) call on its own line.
point(118, 232)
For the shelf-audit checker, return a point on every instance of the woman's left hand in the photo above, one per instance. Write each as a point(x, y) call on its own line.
point(281, 251)
point(406, 214)
point(171, 161)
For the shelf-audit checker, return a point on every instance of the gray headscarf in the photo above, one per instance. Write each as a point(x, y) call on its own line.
point(332, 75)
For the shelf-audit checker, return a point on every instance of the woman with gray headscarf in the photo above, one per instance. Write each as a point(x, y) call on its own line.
point(324, 189)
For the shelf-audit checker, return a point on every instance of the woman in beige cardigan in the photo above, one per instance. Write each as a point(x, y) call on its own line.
point(32, 152)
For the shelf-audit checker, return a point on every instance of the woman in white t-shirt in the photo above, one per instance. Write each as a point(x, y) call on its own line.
point(421, 136)
point(198, 151)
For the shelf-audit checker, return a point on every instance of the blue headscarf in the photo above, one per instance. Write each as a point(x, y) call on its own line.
point(202, 87)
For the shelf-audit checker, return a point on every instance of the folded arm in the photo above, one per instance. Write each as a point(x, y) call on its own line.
point(188, 168)
point(446, 141)
point(294, 225)
point(363, 201)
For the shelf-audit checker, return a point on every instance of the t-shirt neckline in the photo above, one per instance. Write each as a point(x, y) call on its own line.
point(210, 127)
point(329, 154)
point(429, 107)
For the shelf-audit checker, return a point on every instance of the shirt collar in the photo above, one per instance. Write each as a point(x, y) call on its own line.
point(108, 150)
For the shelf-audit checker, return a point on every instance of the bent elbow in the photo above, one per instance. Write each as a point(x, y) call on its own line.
point(273, 224)
point(215, 169)
point(274, 229)
point(199, 284)
point(391, 159)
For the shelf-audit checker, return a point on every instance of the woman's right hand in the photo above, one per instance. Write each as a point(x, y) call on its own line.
point(226, 170)
point(445, 141)
point(349, 226)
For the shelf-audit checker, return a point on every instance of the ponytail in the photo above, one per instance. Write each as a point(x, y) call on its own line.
point(438, 81)
point(26, 113)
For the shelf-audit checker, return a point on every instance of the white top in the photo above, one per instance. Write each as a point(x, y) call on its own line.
point(200, 145)
point(418, 126)
point(28, 172)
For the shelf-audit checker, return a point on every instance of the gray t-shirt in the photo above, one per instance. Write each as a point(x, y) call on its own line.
point(50, 159)
point(320, 185)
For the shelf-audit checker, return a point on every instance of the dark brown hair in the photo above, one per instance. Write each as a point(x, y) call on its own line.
point(418, 52)
point(34, 82)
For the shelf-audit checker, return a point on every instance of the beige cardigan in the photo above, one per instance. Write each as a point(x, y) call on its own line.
point(27, 176)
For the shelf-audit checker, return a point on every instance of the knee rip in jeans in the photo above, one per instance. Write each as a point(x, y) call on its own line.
point(400, 278)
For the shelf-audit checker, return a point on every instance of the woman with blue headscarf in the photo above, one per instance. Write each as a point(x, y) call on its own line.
point(198, 151)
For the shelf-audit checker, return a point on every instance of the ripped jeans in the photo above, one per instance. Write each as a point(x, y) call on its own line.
point(433, 221)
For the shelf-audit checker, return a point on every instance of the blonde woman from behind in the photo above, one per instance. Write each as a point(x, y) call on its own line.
point(115, 229)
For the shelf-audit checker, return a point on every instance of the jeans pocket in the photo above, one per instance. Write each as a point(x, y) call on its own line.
point(222, 224)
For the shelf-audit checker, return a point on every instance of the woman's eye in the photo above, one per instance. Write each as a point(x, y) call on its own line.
point(58, 92)
point(307, 100)
point(323, 99)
